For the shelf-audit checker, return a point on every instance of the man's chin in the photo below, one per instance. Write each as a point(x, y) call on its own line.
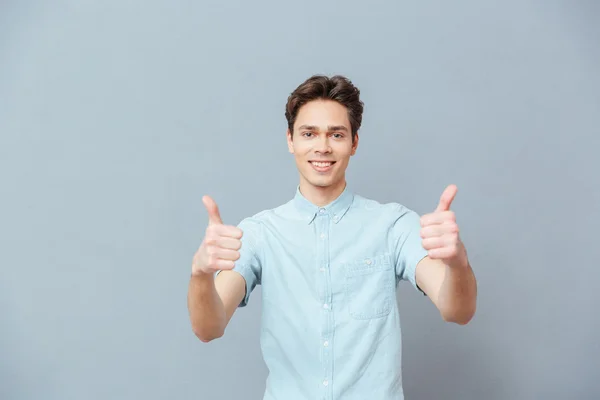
point(322, 183)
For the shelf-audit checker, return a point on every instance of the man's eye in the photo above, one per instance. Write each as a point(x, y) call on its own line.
point(307, 134)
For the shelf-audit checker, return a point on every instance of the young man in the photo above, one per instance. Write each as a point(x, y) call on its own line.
point(329, 262)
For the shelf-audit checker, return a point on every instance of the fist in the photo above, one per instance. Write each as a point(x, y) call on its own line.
point(439, 232)
point(220, 248)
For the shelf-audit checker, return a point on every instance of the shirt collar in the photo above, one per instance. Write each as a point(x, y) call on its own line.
point(336, 209)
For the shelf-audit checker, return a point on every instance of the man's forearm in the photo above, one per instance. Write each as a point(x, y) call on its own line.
point(207, 313)
point(458, 294)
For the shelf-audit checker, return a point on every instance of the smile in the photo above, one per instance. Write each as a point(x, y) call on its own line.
point(322, 166)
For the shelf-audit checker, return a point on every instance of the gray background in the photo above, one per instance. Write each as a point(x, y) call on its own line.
point(116, 117)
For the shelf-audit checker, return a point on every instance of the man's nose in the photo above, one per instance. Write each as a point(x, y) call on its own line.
point(323, 145)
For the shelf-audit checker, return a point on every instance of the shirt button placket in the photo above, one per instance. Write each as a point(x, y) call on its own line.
point(327, 314)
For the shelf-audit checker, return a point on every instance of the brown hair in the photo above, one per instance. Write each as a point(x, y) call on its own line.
point(337, 88)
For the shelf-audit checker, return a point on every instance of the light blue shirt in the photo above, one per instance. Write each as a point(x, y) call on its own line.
point(330, 321)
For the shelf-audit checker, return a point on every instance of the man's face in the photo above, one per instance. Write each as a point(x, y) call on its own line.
point(322, 143)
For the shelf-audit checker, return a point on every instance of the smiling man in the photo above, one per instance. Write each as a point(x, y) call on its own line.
point(329, 262)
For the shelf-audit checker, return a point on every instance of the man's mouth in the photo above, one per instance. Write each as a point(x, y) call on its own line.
point(322, 166)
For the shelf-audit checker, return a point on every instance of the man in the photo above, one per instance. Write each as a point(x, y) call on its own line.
point(329, 262)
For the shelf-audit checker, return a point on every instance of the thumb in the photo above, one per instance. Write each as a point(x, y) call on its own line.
point(213, 211)
point(447, 198)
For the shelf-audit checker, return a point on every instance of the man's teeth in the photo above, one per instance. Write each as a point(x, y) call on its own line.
point(321, 164)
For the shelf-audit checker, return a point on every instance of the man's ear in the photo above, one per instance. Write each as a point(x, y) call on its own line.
point(290, 142)
point(355, 144)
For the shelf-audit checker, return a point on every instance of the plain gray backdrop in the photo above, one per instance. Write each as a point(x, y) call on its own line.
point(117, 116)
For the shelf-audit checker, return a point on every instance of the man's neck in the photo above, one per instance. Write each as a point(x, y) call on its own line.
point(321, 196)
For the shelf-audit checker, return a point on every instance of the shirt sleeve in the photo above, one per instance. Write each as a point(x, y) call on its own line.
point(249, 265)
point(408, 248)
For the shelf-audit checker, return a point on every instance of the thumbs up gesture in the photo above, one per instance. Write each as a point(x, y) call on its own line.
point(219, 249)
point(439, 232)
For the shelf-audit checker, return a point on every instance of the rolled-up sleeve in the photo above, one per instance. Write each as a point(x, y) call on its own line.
point(249, 265)
point(408, 248)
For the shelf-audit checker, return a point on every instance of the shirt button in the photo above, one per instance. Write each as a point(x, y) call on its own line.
point(326, 343)
point(322, 210)
point(325, 382)
point(322, 269)
point(326, 306)
point(322, 236)
point(368, 262)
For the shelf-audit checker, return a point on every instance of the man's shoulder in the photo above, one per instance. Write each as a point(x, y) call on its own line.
point(394, 217)
point(376, 207)
point(267, 214)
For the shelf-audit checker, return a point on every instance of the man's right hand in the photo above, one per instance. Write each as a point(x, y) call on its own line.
point(219, 249)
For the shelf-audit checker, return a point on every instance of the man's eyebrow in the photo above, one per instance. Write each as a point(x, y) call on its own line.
point(309, 127)
point(330, 128)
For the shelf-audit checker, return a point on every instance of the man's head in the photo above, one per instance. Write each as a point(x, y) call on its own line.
point(324, 116)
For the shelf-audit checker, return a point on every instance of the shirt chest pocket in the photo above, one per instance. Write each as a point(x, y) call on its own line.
point(369, 286)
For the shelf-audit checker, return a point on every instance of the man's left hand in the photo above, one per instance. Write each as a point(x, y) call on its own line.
point(439, 232)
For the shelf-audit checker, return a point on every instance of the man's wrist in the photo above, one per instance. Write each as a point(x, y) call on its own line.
point(200, 275)
point(460, 264)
